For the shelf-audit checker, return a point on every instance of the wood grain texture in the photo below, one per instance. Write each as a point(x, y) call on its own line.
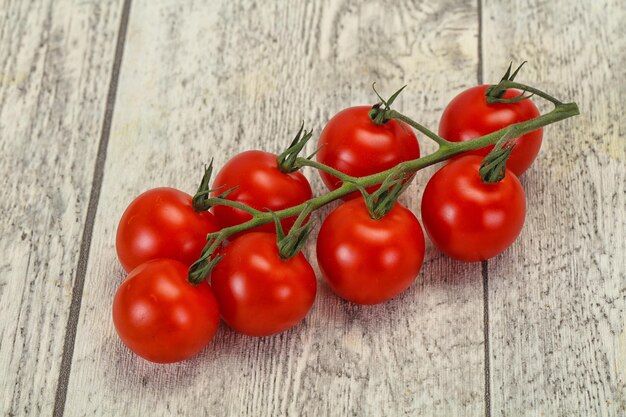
point(55, 60)
point(201, 81)
point(557, 299)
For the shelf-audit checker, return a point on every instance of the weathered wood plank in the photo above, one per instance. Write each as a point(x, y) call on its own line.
point(557, 299)
point(55, 61)
point(201, 81)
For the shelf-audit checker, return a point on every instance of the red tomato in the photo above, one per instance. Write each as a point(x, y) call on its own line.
point(468, 116)
point(258, 292)
point(353, 144)
point(368, 261)
point(161, 317)
point(260, 185)
point(161, 223)
point(469, 219)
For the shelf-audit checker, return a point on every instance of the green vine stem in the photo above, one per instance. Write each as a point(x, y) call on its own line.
point(526, 89)
point(446, 150)
point(214, 201)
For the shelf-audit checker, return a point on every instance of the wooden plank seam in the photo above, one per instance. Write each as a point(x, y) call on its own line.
point(94, 197)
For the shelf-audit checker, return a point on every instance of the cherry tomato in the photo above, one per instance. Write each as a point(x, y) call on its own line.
point(160, 316)
point(260, 185)
point(469, 219)
point(468, 116)
point(353, 144)
point(258, 292)
point(368, 261)
point(161, 223)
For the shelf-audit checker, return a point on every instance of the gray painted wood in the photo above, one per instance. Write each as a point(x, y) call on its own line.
point(557, 299)
point(200, 81)
point(55, 60)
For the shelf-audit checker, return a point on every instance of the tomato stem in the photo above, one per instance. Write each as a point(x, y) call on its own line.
point(302, 162)
point(378, 113)
point(203, 190)
point(495, 92)
point(287, 160)
point(526, 89)
point(351, 184)
point(381, 201)
point(392, 114)
point(207, 203)
point(201, 269)
point(291, 244)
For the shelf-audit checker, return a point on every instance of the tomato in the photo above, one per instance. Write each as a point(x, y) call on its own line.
point(260, 185)
point(258, 292)
point(468, 116)
point(468, 219)
point(368, 261)
point(353, 144)
point(161, 317)
point(161, 223)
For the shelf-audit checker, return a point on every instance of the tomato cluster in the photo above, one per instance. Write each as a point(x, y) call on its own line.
point(365, 255)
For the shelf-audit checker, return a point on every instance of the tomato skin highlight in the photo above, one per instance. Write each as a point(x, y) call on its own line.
point(468, 219)
point(353, 144)
point(260, 185)
point(369, 261)
point(161, 223)
point(258, 292)
point(469, 115)
point(161, 317)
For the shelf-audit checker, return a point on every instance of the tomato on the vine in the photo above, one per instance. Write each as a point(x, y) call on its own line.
point(258, 292)
point(257, 182)
point(469, 115)
point(161, 223)
point(369, 261)
point(160, 316)
point(469, 219)
point(353, 144)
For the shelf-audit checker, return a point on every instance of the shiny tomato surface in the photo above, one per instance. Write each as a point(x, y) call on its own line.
point(161, 223)
point(353, 144)
point(161, 317)
point(469, 115)
point(368, 261)
point(468, 219)
point(258, 292)
point(260, 185)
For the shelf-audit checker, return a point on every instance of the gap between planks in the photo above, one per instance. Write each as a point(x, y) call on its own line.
point(92, 207)
point(484, 264)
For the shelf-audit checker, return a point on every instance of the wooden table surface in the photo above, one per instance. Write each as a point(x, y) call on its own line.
point(101, 100)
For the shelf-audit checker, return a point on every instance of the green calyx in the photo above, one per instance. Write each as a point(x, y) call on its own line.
point(493, 167)
point(382, 112)
point(494, 93)
point(204, 192)
point(379, 113)
point(209, 258)
point(291, 244)
point(287, 159)
point(202, 200)
point(381, 201)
